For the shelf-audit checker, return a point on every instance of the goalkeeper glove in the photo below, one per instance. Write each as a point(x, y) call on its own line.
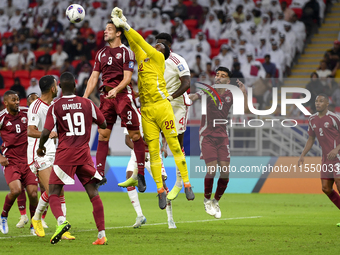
point(120, 23)
point(117, 12)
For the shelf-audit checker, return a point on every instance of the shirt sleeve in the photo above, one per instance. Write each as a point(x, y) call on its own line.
point(50, 118)
point(97, 66)
point(310, 129)
point(182, 68)
point(129, 62)
point(33, 119)
point(97, 115)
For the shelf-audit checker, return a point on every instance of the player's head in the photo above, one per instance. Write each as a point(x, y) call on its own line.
point(11, 101)
point(164, 38)
point(162, 47)
point(321, 102)
point(223, 75)
point(112, 32)
point(48, 84)
point(31, 97)
point(67, 83)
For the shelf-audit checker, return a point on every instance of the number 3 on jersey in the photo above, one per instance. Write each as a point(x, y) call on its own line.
point(77, 127)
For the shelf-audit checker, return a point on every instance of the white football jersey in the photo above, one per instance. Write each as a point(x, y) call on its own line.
point(36, 117)
point(175, 67)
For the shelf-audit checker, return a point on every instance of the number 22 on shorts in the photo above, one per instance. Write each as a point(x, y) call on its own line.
point(169, 124)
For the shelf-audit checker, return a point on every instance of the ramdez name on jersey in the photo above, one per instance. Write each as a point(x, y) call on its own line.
point(72, 106)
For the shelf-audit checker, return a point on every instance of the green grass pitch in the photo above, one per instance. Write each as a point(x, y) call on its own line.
point(250, 224)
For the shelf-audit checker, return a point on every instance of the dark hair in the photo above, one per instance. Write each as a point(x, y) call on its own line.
point(317, 76)
point(117, 28)
point(67, 81)
point(45, 83)
point(323, 95)
point(165, 37)
point(224, 69)
point(9, 92)
point(166, 51)
point(31, 94)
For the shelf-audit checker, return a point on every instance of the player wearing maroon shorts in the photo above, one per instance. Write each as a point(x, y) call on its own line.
point(214, 140)
point(13, 130)
point(116, 63)
point(73, 117)
point(325, 126)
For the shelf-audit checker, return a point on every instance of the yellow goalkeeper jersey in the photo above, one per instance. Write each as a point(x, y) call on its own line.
point(151, 66)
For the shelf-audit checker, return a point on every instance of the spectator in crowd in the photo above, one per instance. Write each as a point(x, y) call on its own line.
point(311, 12)
point(237, 74)
point(44, 62)
point(332, 57)
point(289, 51)
point(12, 59)
point(323, 71)
point(264, 48)
point(242, 56)
point(238, 15)
point(26, 60)
point(23, 43)
point(55, 26)
point(299, 30)
point(209, 71)
point(203, 77)
point(34, 87)
point(165, 25)
point(315, 87)
point(84, 63)
point(180, 10)
point(288, 13)
point(9, 9)
point(131, 10)
point(195, 11)
point(264, 26)
point(216, 62)
point(68, 67)
point(142, 21)
point(295, 112)
point(95, 20)
point(197, 64)
point(46, 38)
point(155, 19)
point(277, 56)
point(3, 21)
point(253, 37)
point(200, 37)
point(269, 67)
point(336, 96)
point(181, 28)
point(17, 87)
point(85, 30)
point(181, 46)
point(24, 30)
point(191, 58)
point(15, 20)
point(226, 56)
point(103, 10)
point(167, 6)
point(212, 26)
point(58, 58)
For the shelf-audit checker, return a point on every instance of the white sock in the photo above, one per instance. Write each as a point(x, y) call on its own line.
point(43, 203)
point(101, 234)
point(178, 178)
point(135, 172)
point(169, 210)
point(63, 204)
point(133, 195)
point(61, 220)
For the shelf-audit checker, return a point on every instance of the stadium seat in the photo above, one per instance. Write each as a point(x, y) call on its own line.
point(298, 12)
point(38, 53)
point(92, 62)
point(96, 5)
point(222, 41)
point(194, 32)
point(75, 63)
point(7, 34)
point(37, 74)
point(260, 60)
point(2, 92)
point(214, 52)
point(187, 3)
point(147, 33)
point(212, 43)
point(23, 102)
point(53, 72)
point(24, 76)
point(191, 23)
point(8, 78)
point(99, 38)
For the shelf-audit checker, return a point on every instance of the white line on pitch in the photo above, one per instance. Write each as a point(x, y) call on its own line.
point(152, 224)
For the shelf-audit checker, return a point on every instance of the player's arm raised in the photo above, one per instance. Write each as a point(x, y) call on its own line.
point(91, 84)
point(308, 146)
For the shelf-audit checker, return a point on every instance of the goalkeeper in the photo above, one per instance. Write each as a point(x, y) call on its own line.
point(156, 110)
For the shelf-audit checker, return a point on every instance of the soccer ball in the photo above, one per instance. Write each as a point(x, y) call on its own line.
point(75, 13)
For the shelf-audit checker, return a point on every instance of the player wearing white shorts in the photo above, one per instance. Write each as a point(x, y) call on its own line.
point(177, 77)
point(42, 166)
point(131, 169)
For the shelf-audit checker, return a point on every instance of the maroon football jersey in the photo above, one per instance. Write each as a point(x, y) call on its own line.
point(112, 62)
point(13, 130)
point(73, 117)
point(326, 129)
point(219, 111)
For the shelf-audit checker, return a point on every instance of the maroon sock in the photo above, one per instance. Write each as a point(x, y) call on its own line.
point(32, 210)
point(102, 150)
point(98, 212)
point(335, 198)
point(7, 206)
point(21, 199)
point(208, 186)
point(139, 149)
point(221, 187)
point(55, 206)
